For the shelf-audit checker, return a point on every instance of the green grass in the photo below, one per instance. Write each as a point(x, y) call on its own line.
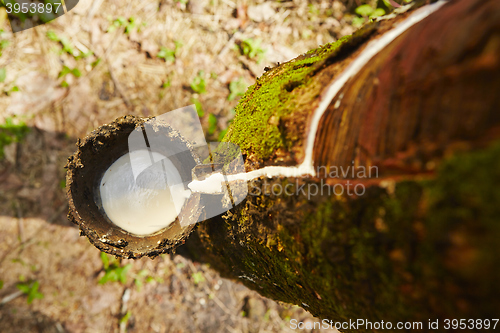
point(166, 54)
point(251, 49)
point(169, 54)
point(3, 45)
point(198, 106)
point(66, 45)
point(212, 124)
point(66, 70)
point(222, 134)
point(198, 84)
point(144, 276)
point(366, 12)
point(125, 318)
point(31, 290)
point(121, 21)
point(198, 277)
point(237, 88)
point(113, 270)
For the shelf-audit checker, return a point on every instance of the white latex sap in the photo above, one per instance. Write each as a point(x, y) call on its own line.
point(145, 204)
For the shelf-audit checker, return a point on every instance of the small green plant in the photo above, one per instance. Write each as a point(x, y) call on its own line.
point(178, 44)
point(144, 276)
point(369, 11)
point(113, 270)
point(267, 315)
point(358, 21)
point(313, 11)
point(11, 90)
point(212, 124)
point(169, 54)
point(166, 84)
point(121, 21)
point(251, 49)
point(306, 34)
point(198, 84)
point(85, 55)
point(52, 36)
point(377, 13)
point(96, 62)
point(117, 23)
point(166, 54)
point(199, 108)
point(130, 25)
point(67, 46)
point(1, 284)
point(139, 277)
point(237, 88)
point(125, 318)
point(66, 70)
point(164, 87)
point(30, 289)
point(3, 45)
point(198, 277)
point(3, 74)
point(222, 134)
point(366, 12)
point(10, 132)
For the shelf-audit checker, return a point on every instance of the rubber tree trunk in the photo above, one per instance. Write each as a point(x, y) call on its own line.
point(421, 242)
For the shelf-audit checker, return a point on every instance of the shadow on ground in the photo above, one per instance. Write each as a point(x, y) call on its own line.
point(22, 319)
point(32, 175)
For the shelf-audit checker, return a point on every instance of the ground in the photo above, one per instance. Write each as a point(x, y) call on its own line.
point(102, 60)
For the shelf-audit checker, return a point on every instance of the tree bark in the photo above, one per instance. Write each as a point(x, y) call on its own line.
point(422, 241)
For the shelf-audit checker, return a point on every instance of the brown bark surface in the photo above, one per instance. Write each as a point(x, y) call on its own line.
point(426, 112)
point(433, 87)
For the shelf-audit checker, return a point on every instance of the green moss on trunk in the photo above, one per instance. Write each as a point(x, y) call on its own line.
point(427, 249)
point(285, 91)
